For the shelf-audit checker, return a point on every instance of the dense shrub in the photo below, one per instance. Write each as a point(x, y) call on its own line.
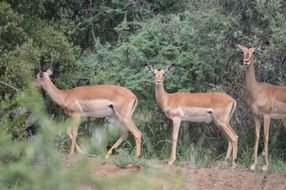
point(93, 42)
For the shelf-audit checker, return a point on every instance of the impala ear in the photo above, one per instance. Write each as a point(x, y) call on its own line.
point(240, 47)
point(149, 68)
point(49, 72)
point(40, 75)
point(170, 68)
point(258, 48)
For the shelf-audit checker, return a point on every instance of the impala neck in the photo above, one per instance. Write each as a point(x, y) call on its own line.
point(57, 95)
point(161, 95)
point(251, 83)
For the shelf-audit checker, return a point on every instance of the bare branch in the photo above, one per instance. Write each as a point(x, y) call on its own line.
point(16, 89)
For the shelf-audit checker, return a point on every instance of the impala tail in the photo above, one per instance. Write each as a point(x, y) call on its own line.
point(232, 108)
point(135, 103)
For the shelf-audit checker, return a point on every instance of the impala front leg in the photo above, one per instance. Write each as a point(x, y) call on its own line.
point(176, 128)
point(257, 133)
point(77, 147)
point(73, 135)
point(266, 139)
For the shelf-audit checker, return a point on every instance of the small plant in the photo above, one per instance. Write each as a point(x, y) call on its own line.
point(123, 159)
point(277, 164)
point(197, 157)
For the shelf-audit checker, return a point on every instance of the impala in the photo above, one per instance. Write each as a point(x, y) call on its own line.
point(266, 102)
point(196, 107)
point(94, 101)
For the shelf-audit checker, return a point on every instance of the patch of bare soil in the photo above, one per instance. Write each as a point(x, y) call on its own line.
point(109, 170)
point(224, 179)
point(208, 178)
point(196, 179)
point(101, 168)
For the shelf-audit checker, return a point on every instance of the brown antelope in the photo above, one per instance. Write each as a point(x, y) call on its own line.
point(196, 107)
point(266, 102)
point(94, 101)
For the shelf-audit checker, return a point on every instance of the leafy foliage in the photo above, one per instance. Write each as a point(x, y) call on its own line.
point(93, 42)
point(35, 163)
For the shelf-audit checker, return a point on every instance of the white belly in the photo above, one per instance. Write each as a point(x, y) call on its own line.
point(199, 118)
point(96, 108)
point(278, 116)
point(99, 113)
point(197, 114)
point(279, 108)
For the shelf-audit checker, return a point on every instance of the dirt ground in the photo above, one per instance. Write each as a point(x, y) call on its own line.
point(193, 179)
point(210, 178)
point(224, 179)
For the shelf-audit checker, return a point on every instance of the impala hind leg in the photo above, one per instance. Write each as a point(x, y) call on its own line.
point(72, 132)
point(123, 136)
point(229, 149)
point(234, 141)
point(232, 138)
point(136, 133)
point(257, 134)
point(176, 129)
point(284, 124)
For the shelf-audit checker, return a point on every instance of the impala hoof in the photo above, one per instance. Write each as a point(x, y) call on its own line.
point(107, 156)
point(252, 167)
point(80, 151)
point(233, 166)
point(265, 168)
point(170, 162)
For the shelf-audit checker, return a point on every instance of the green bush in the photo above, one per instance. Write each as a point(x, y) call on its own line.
point(36, 163)
point(111, 41)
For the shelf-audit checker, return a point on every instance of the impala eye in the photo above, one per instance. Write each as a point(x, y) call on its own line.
point(253, 52)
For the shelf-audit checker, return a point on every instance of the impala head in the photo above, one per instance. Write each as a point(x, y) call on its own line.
point(159, 73)
point(42, 77)
point(247, 53)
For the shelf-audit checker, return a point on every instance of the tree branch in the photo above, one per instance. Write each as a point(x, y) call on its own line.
point(16, 89)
